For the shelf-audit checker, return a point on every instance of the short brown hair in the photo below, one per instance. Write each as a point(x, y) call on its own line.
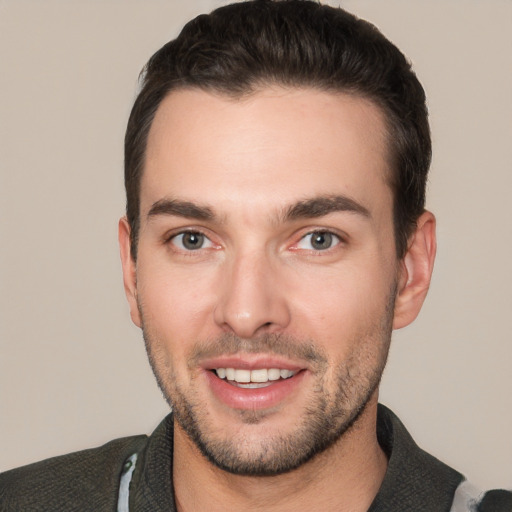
point(244, 46)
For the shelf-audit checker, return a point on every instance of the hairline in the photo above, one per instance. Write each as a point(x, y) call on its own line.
point(253, 89)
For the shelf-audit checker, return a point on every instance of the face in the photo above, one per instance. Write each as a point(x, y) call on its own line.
point(266, 271)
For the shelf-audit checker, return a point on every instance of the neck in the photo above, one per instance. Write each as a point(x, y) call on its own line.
point(346, 476)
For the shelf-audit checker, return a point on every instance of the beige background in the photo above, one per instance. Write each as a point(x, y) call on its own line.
point(73, 372)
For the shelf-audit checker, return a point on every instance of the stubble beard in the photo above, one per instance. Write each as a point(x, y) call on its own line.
point(325, 419)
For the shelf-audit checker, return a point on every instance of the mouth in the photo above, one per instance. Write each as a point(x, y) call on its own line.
point(253, 379)
point(254, 383)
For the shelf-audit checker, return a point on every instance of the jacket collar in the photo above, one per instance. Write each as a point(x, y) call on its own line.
point(414, 479)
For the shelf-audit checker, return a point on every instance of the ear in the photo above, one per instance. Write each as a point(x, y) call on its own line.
point(129, 270)
point(415, 271)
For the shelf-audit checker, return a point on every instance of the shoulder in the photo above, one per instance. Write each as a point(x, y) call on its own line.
point(468, 498)
point(415, 480)
point(498, 500)
point(85, 480)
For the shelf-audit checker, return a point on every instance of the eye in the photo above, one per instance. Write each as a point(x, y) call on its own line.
point(318, 241)
point(191, 241)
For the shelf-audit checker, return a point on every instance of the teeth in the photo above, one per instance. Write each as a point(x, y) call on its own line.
point(274, 374)
point(242, 375)
point(261, 375)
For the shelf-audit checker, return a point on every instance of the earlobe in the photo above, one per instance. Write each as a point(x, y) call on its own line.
point(129, 270)
point(416, 271)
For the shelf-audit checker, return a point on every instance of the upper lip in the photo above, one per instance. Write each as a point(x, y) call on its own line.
point(251, 362)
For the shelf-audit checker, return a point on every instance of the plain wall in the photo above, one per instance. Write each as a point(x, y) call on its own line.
point(73, 371)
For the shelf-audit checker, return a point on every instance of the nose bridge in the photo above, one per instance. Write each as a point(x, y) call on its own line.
point(251, 299)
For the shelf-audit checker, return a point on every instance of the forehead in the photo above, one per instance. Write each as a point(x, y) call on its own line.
point(275, 146)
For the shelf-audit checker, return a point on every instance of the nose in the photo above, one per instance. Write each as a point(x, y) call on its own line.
point(252, 298)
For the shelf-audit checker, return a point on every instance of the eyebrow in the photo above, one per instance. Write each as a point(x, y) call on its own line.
point(308, 208)
point(181, 209)
point(320, 206)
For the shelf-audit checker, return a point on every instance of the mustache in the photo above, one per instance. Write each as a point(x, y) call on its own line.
point(270, 344)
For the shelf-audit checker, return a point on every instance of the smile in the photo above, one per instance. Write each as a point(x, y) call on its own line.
point(253, 378)
point(254, 385)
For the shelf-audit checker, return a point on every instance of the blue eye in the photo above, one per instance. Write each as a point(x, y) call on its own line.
point(191, 241)
point(318, 241)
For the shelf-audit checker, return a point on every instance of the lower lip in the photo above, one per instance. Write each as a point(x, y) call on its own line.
point(255, 398)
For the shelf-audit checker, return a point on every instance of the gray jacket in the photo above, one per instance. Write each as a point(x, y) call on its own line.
point(135, 474)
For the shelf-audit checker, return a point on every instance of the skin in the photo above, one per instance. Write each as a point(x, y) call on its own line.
point(258, 290)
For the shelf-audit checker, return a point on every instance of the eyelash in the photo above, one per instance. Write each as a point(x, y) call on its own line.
point(175, 236)
point(334, 239)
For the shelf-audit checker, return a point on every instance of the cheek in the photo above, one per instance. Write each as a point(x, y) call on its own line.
point(334, 307)
point(175, 303)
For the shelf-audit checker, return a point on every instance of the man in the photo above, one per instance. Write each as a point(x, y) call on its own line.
point(275, 166)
